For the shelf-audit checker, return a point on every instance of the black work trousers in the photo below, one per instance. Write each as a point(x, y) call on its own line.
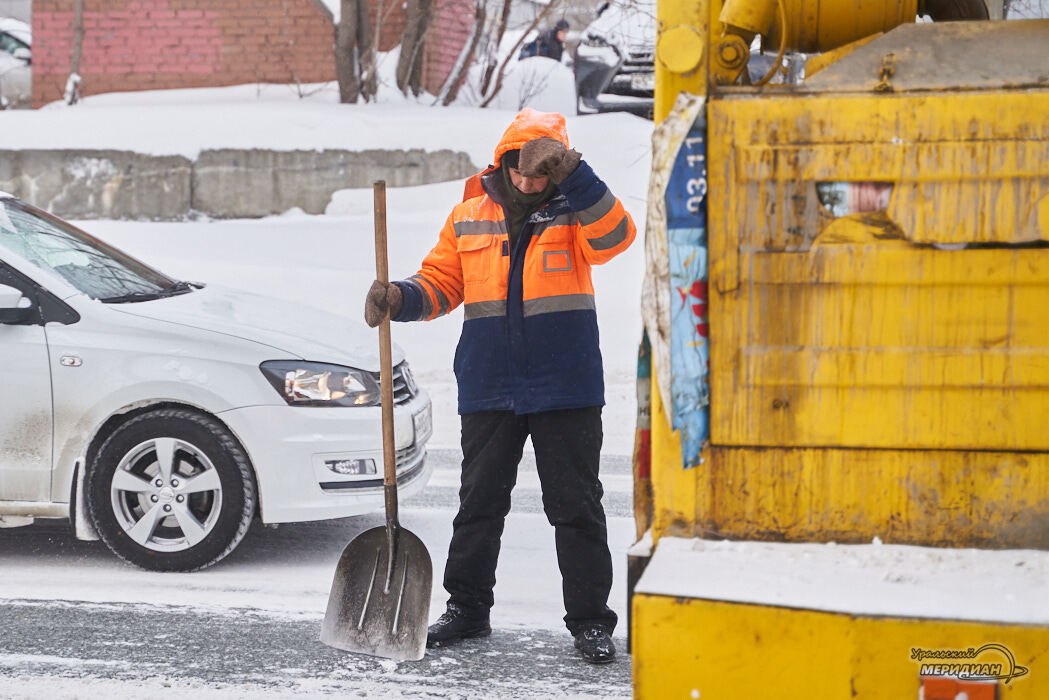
point(567, 450)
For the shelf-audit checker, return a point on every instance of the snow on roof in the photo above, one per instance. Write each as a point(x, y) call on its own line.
point(1009, 586)
point(17, 28)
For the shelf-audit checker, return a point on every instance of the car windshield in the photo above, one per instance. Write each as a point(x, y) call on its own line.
point(93, 267)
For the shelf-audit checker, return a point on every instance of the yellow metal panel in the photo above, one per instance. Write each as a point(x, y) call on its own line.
point(889, 344)
point(711, 650)
point(675, 18)
point(1043, 216)
point(967, 168)
point(943, 498)
point(856, 346)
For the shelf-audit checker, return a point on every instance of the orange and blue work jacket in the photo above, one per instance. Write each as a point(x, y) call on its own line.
point(530, 340)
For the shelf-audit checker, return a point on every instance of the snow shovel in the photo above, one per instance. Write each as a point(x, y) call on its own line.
point(380, 598)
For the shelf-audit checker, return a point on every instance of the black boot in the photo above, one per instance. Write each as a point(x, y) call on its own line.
point(595, 644)
point(456, 624)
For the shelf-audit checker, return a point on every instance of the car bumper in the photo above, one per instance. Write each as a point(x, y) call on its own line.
point(293, 451)
point(633, 81)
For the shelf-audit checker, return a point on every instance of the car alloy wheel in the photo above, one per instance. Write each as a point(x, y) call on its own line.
point(171, 490)
point(166, 494)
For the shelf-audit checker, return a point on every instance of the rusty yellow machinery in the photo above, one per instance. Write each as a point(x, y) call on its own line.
point(878, 242)
point(800, 25)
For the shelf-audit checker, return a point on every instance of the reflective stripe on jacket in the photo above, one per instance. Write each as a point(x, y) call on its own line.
point(530, 340)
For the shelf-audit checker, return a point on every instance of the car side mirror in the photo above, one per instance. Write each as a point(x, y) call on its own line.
point(23, 54)
point(15, 308)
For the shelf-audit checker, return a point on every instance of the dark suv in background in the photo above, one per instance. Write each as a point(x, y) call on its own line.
point(614, 61)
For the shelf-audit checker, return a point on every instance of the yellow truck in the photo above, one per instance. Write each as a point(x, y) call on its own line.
point(842, 466)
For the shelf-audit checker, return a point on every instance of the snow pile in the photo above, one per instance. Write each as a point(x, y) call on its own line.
point(1010, 586)
point(540, 83)
point(275, 117)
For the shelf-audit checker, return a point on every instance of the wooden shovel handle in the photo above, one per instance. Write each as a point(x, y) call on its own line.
point(382, 273)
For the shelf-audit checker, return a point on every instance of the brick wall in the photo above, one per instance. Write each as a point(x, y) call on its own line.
point(156, 44)
point(450, 29)
point(163, 44)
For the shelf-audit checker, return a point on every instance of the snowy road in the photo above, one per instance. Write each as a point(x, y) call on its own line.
point(79, 623)
point(127, 649)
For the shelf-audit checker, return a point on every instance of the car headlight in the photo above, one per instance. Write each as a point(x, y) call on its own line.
point(303, 383)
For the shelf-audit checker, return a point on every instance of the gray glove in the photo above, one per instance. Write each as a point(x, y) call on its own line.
point(382, 299)
point(547, 157)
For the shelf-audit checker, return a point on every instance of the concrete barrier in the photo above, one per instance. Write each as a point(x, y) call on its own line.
point(247, 183)
point(224, 183)
point(99, 184)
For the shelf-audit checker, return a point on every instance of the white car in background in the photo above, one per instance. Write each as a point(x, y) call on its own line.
point(165, 415)
point(615, 59)
point(16, 41)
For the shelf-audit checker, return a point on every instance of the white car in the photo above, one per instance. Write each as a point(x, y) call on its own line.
point(615, 59)
point(16, 40)
point(163, 415)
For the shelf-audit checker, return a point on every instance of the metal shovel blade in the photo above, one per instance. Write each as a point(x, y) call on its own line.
point(373, 610)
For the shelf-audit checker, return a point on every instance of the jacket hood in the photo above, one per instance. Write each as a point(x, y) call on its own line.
point(530, 124)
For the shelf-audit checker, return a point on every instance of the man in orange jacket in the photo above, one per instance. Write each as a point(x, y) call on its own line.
point(518, 252)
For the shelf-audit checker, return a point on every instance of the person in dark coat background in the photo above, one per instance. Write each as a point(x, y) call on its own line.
point(550, 43)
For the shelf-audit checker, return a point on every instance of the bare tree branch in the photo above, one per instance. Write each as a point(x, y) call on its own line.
point(409, 65)
point(366, 52)
point(513, 52)
point(492, 57)
point(355, 53)
point(346, 52)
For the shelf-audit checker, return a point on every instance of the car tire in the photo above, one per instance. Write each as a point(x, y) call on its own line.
point(171, 490)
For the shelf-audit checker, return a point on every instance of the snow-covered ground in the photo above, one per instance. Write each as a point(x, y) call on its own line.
point(76, 621)
point(184, 122)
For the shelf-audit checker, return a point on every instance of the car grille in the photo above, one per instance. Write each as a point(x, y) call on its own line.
point(404, 388)
point(636, 75)
point(644, 57)
point(406, 457)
